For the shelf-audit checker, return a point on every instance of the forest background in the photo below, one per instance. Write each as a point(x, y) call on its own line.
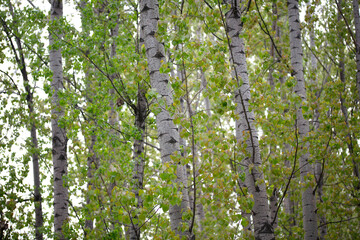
point(179, 119)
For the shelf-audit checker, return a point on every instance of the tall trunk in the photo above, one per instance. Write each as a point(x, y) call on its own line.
point(92, 161)
point(289, 203)
point(39, 221)
point(59, 139)
point(254, 178)
point(113, 118)
point(200, 213)
point(204, 81)
point(318, 164)
point(357, 47)
point(206, 99)
point(274, 196)
point(167, 131)
point(139, 160)
point(20, 59)
point(241, 184)
point(92, 164)
point(308, 198)
point(351, 143)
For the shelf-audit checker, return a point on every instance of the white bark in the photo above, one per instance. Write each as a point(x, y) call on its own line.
point(308, 198)
point(59, 139)
point(167, 131)
point(241, 184)
point(254, 178)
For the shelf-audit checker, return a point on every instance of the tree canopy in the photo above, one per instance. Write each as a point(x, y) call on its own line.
point(156, 119)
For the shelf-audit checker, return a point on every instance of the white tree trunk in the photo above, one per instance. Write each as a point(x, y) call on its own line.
point(167, 131)
point(308, 198)
point(254, 178)
point(59, 139)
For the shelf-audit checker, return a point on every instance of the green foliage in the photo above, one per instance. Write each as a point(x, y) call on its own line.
point(99, 86)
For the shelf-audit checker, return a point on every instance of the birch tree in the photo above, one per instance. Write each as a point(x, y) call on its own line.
point(59, 138)
point(308, 197)
point(104, 103)
point(245, 126)
point(167, 132)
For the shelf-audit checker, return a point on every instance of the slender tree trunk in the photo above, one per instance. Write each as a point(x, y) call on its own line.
point(200, 212)
point(59, 139)
point(206, 99)
point(351, 143)
point(254, 178)
point(274, 196)
point(113, 117)
point(20, 59)
point(318, 164)
point(204, 81)
point(139, 160)
point(357, 38)
point(247, 231)
point(39, 221)
point(308, 198)
point(167, 131)
point(289, 204)
point(92, 161)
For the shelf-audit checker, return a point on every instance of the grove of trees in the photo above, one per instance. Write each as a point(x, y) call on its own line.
point(174, 119)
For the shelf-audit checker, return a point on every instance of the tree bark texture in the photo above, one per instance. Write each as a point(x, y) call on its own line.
point(139, 160)
point(254, 178)
point(308, 198)
point(59, 139)
point(168, 134)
